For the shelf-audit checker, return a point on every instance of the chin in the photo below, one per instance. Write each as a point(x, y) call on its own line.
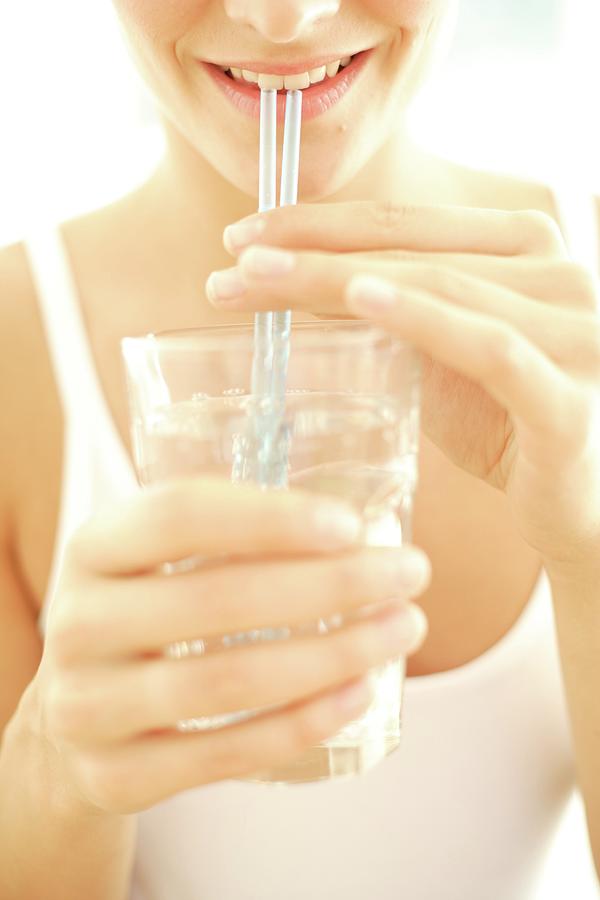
point(318, 184)
point(322, 176)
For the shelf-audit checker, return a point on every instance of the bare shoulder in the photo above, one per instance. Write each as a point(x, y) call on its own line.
point(25, 368)
point(498, 190)
point(31, 420)
point(26, 452)
point(16, 325)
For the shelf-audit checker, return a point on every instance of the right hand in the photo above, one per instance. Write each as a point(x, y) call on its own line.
point(106, 696)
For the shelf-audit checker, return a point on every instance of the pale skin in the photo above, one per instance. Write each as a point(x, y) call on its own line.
point(520, 342)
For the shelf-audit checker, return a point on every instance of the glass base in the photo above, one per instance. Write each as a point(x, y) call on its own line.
point(323, 763)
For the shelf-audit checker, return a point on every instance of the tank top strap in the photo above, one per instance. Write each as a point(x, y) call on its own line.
point(66, 335)
point(578, 217)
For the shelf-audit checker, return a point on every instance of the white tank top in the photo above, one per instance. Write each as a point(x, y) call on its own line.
point(467, 807)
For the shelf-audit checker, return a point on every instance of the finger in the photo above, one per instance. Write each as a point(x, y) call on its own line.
point(568, 336)
point(516, 373)
point(352, 227)
point(145, 614)
point(181, 518)
point(271, 279)
point(134, 699)
point(140, 774)
point(553, 282)
point(317, 282)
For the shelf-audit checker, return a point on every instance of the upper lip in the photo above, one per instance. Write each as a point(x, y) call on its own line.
point(282, 68)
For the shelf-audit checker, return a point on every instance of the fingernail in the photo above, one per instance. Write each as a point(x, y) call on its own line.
point(355, 697)
point(367, 294)
point(242, 234)
point(405, 629)
point(414, 569)
point(267, 261)
point(337, 526)
point(225, 285)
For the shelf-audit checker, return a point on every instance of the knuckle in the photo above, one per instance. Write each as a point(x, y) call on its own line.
point(390, 216)
point(581, 347)
point(109, 783)
point(584, 351)
point(70, 636)
point(446, 281)
point(580, 284)
point(503, 353)
point(539, 232)
point(584, 425)
point(66, 712)
point(78, 546)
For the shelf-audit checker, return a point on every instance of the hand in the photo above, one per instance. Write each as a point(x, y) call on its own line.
point(508, 327)
point(106, 697)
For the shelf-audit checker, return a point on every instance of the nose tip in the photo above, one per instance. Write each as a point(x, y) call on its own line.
point(278, 21)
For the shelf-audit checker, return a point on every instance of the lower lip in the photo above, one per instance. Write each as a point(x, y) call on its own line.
point(316, 100)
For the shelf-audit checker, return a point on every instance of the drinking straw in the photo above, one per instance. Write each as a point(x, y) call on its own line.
point(282, 321)
point(263, 453)
point(289, 197)
point(267, 199)
point(246, 451)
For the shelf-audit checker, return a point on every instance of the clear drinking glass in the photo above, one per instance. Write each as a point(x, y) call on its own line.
point(350, 430)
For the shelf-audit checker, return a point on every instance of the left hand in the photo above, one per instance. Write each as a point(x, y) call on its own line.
point(508, 326)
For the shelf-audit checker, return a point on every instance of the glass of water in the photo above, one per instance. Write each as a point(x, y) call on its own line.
point(350, 429)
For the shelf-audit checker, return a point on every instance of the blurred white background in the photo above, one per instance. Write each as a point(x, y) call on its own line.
point(518, 93)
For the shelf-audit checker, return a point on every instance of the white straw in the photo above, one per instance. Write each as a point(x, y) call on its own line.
point(263, 453)
point(267, 199)
point(282, 322)
point(249, 449)
point(289, 197)
point(291, 149)
point(267, 176)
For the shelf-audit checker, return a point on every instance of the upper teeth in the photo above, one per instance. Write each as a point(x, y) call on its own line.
point(290, 82)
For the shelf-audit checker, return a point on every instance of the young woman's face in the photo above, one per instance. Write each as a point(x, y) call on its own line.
point(186, 51)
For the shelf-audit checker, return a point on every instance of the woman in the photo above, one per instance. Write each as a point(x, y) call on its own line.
point(470, 267)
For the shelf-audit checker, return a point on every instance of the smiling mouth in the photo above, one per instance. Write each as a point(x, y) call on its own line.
point(323, 83)
point(300, 81)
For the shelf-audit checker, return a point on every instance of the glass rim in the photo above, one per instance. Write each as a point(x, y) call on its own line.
point(349, 327)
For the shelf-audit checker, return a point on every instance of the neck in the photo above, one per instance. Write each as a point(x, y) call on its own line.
point(194, 195)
